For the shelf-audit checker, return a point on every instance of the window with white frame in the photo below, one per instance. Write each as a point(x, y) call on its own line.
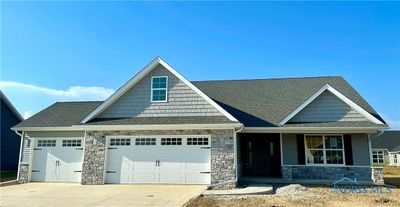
point(72, 143)
point(197, 141)
point(145, 141)
point(120, 142)
point(324, 149)
point(159, 88)
point(378, 156)
point(46, 143)
point(171, 141)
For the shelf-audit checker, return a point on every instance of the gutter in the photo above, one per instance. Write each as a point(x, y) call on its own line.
point(131, 127)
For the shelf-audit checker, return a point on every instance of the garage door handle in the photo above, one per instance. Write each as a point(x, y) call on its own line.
point(79, 148)
point(77, 171)
point(111, 172)
point(205, 172)
point(112, 148)
point(35, 170)
point(205, 148)
point(37, 148)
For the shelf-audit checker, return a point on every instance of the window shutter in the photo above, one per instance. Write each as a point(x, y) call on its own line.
point(300, 149)
point(348, 152)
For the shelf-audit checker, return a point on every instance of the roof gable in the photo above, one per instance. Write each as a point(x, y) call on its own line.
point(327, 108)
point(266, 102)
point(353, 106)
point(155, 64)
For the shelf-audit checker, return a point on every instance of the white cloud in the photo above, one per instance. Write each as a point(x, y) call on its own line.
point(28, 114)
point(73, 92)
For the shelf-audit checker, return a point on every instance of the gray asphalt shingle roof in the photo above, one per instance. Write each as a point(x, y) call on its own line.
point(60, 114)
point(255, 103)
point(266, 102)
point(389, 140)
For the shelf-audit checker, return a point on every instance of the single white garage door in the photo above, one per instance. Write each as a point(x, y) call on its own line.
point(57, 160)
point(181, 160)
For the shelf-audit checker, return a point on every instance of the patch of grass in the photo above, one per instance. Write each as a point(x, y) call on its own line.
point(8, 175)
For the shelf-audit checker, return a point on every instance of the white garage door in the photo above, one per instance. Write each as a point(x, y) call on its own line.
point(182, 160)
point(57, 160)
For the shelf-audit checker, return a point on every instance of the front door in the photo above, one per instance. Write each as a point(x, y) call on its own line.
point(260, 154)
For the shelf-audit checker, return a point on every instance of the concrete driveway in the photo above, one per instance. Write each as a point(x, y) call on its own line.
point(57, 194)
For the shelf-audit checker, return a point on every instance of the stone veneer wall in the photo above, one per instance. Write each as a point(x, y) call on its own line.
point(292, 172)
point(23, 173)
point(222, 153)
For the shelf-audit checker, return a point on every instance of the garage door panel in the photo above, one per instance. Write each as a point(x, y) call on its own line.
point(145, 177)
point(54, 161)
point(172, 177)
point(162, 160)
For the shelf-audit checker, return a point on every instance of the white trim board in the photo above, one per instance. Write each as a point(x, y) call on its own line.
point(346, 100)
point(153, 64)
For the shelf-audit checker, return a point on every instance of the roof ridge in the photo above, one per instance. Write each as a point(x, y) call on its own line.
point(258, 79)
point(77, 101)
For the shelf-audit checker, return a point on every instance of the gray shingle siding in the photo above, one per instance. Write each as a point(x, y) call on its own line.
point(182, 100)
point(327, 108)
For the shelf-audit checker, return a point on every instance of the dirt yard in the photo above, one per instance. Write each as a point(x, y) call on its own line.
point(391, 175)
point(314, 196)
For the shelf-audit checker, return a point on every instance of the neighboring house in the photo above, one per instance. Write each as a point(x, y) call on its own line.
point(9, 140)
point(161, 128)
point(386, 148)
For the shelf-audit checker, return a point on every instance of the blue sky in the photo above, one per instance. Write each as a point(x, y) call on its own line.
point(86, 50)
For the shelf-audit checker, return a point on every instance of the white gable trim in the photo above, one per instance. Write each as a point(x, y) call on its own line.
point(121, 91)
point(337, 94)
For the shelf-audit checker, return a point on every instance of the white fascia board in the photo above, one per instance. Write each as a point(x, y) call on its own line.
point(139, 76)
point(342, 97)
point(132, 127)
point(311, 129)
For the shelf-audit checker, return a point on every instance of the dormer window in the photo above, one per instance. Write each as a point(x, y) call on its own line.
point(159, 86)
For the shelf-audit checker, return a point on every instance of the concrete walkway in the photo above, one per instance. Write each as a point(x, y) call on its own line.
point(249, 190)
point(57, 194)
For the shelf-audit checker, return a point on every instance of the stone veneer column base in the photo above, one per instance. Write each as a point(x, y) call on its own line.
point(23, 173)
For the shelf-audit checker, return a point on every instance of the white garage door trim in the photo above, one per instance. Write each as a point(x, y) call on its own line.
point(64, 170)
point(158, 144)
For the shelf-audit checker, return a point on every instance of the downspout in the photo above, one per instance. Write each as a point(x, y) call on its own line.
point(21, 135)
point(235, 152)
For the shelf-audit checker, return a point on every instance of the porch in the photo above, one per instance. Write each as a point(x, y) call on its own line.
point(287, 158)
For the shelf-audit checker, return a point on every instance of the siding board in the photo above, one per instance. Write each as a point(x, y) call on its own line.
point(327, 108)
point(182, 100)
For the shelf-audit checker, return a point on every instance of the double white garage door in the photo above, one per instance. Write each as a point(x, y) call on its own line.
point(175, 160)
point(159, 160)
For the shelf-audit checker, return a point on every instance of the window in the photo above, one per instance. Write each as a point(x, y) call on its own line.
point(145, 141)
point(120, 142)
point(46, 143)
point(378, 156)
point(197, 141)
point(159, 88)
point(324, 149)
point(171, 141)
point(72, 143)
point(395, 160)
